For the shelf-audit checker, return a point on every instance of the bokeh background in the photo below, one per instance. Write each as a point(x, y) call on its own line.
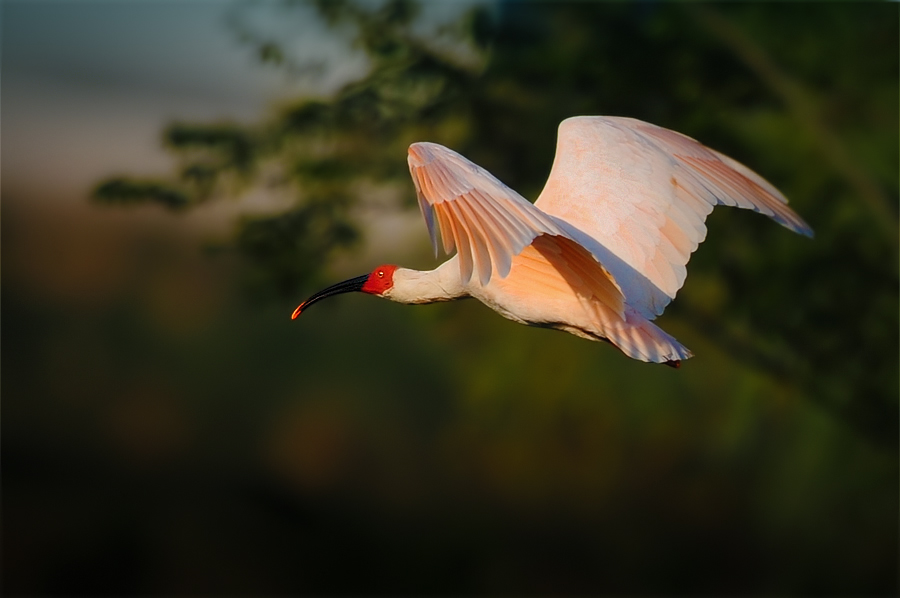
point(176, 177)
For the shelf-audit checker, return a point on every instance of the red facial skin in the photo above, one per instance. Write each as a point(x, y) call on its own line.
point(380, 280)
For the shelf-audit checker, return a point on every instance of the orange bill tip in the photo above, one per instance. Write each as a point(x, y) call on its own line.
point(297, 311)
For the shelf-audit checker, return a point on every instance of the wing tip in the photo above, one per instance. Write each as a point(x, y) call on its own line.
point(418, 155)
point(793, 222)
point(804, 229)
point(423, 153)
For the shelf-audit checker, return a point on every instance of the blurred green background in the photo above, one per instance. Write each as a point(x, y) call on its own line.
point(167, 429)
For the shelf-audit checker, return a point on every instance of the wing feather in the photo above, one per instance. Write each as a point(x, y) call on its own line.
point(461, 241)
point(448, 237)
point(507, 229)
point(500, 246)
point(480, 239)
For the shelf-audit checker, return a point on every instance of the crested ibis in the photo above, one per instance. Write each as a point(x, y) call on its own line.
point(600, 253)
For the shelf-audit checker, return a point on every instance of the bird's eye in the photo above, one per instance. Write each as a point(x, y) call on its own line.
point(381, 274)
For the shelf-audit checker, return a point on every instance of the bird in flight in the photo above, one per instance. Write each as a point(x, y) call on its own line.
point(600, 253)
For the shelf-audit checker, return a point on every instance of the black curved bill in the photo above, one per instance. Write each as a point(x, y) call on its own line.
point(348, 286)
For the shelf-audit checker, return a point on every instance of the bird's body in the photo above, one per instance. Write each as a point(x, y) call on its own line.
point(603, 249)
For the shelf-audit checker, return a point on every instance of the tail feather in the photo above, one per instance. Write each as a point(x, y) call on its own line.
point(639, 338)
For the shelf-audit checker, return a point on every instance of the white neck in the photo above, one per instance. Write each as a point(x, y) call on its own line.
point(440, 284)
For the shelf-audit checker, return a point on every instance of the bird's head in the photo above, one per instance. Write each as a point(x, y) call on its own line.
point(378, 282)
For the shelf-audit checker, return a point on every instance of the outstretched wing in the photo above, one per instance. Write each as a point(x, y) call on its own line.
point(489, 224)
point(484, 220)
point(643, 192)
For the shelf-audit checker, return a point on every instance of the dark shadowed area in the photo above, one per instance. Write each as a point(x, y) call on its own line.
point(167, 429)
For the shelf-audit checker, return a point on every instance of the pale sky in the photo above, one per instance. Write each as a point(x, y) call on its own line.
point(89, 85)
